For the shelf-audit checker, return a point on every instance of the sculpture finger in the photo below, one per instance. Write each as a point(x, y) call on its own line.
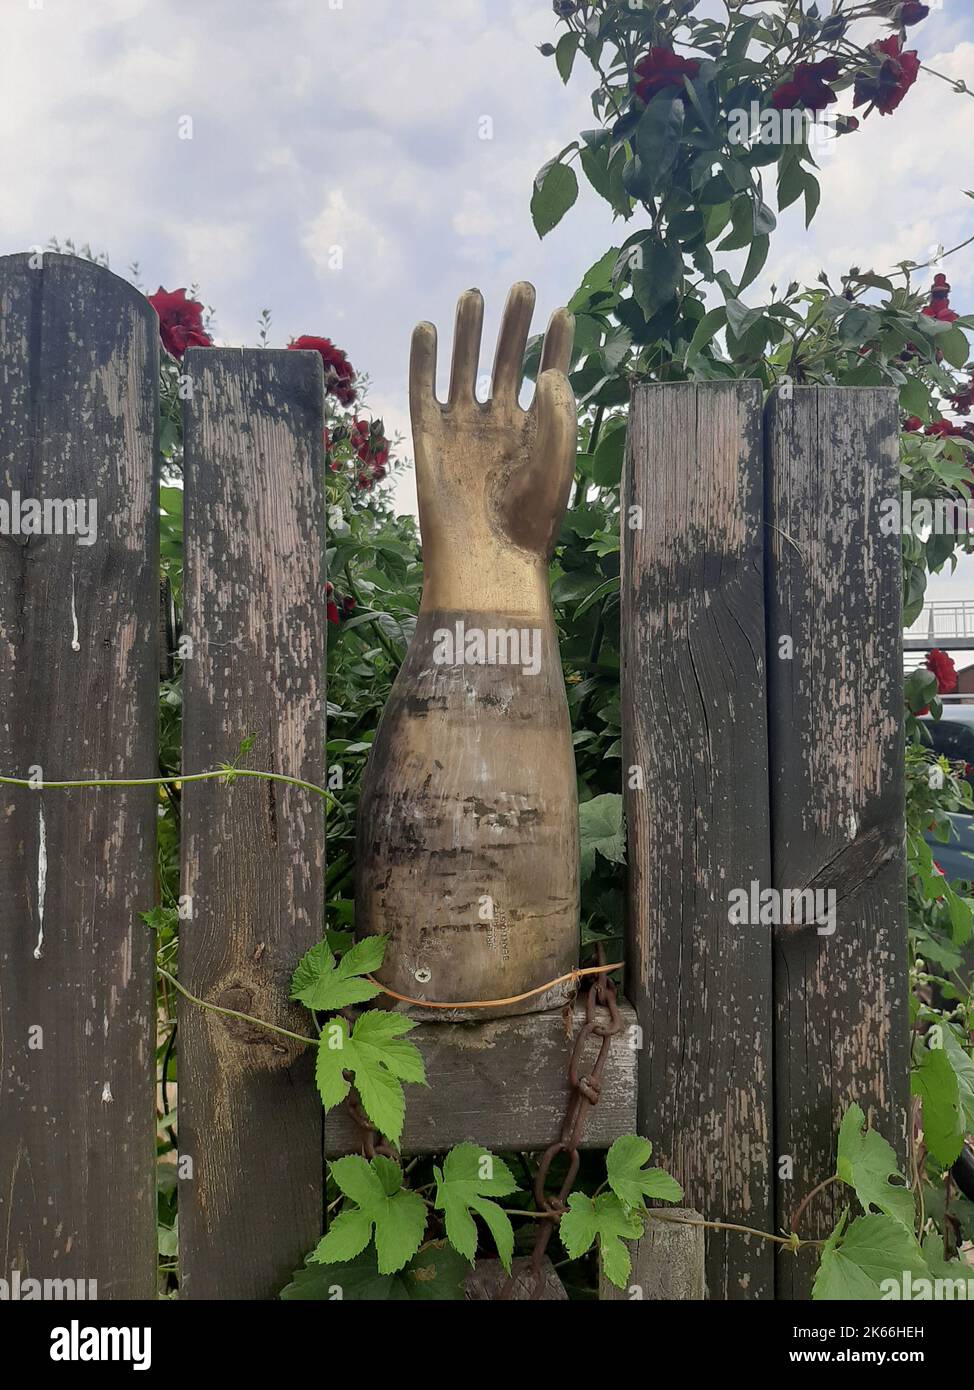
point(422, 370)
point(511, 342)
point(466, 347)
point(537, 494)
point(558, 342)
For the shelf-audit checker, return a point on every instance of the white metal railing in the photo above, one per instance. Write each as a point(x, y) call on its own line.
point(944, 620)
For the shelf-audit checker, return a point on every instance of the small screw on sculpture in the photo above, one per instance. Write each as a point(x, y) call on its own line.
point(468, 820)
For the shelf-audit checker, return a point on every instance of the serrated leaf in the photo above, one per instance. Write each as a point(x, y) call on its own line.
point(601, 830)
point(604, 1218)
point(323, 984)
point(630, 1180)
point(963, 1068)
point(397, 1217)
point(470, 1176)
point(935, 1080)
point(854, 1265)
point(436, 1272)
point(867, 1162)
point(378, 1059)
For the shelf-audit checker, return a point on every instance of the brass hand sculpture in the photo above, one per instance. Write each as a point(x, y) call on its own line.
point(468, 820)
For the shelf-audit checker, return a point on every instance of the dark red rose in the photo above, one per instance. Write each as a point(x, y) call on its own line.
point(963, 400)
point(943, 429)
point(939, 306)
point(943, 312)
point(913, 12)
point(339, 372)
point(944, 669)
point(333, 614)
point(180, 321)
point(913, 424)
point(661, 68)
point(808, 87)
point(886, 82)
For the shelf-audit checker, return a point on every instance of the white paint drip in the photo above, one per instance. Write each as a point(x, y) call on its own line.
point(75, 644)
point(41, 880)
point(106, 1093)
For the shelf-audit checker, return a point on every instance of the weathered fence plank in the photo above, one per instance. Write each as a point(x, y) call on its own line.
point(78, 699)
point(835, 716)
point(668, 1261)
point(505, 1083)
point(695, 770)
point(253, 852)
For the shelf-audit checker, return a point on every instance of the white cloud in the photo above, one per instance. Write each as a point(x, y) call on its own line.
point(345, 239)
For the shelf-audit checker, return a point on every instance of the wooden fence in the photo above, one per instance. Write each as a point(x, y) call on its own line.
point(762, 744)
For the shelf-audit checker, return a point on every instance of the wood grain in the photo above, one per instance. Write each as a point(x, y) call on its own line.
point(253, 853)
point(668, 1261)
point(504, 1083)
point(693, 689)
point(841, 1026)
point(78, 698)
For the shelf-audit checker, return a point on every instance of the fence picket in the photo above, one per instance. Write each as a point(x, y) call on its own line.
point(835, 715)
point(253, 852)
point(694, 725)
point(78, 698)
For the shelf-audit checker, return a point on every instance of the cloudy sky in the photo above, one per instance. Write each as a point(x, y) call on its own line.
point(360, 124)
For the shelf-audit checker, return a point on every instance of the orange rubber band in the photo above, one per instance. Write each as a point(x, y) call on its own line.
point(495, 1003)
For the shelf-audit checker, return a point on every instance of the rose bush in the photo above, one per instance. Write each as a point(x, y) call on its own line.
point(689, 132)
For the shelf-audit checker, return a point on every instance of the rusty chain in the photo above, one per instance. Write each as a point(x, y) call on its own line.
point(586, 1091)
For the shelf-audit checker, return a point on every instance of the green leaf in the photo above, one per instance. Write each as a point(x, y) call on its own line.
point(706, 330)
point(555, 190)
point(756, 258)
point(602, 831)
point(379, 1061)
point(610, 454)
point(608, 1220)
point(867, 1163)
point(470, 1176)
point(741, 233)
point(435, 1273)
point(657, 136)
point(630, 1180)
point(322, 984)
point(764, 219)
point(379, 1203)
point(565, 54)
point(955, 346)
point(813, 196)
point(791, 182)
point(874, 1249)
point(915, 398)
point(963, 1068)
point(740, 318)
point(658, 283)
point(935, 1080)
